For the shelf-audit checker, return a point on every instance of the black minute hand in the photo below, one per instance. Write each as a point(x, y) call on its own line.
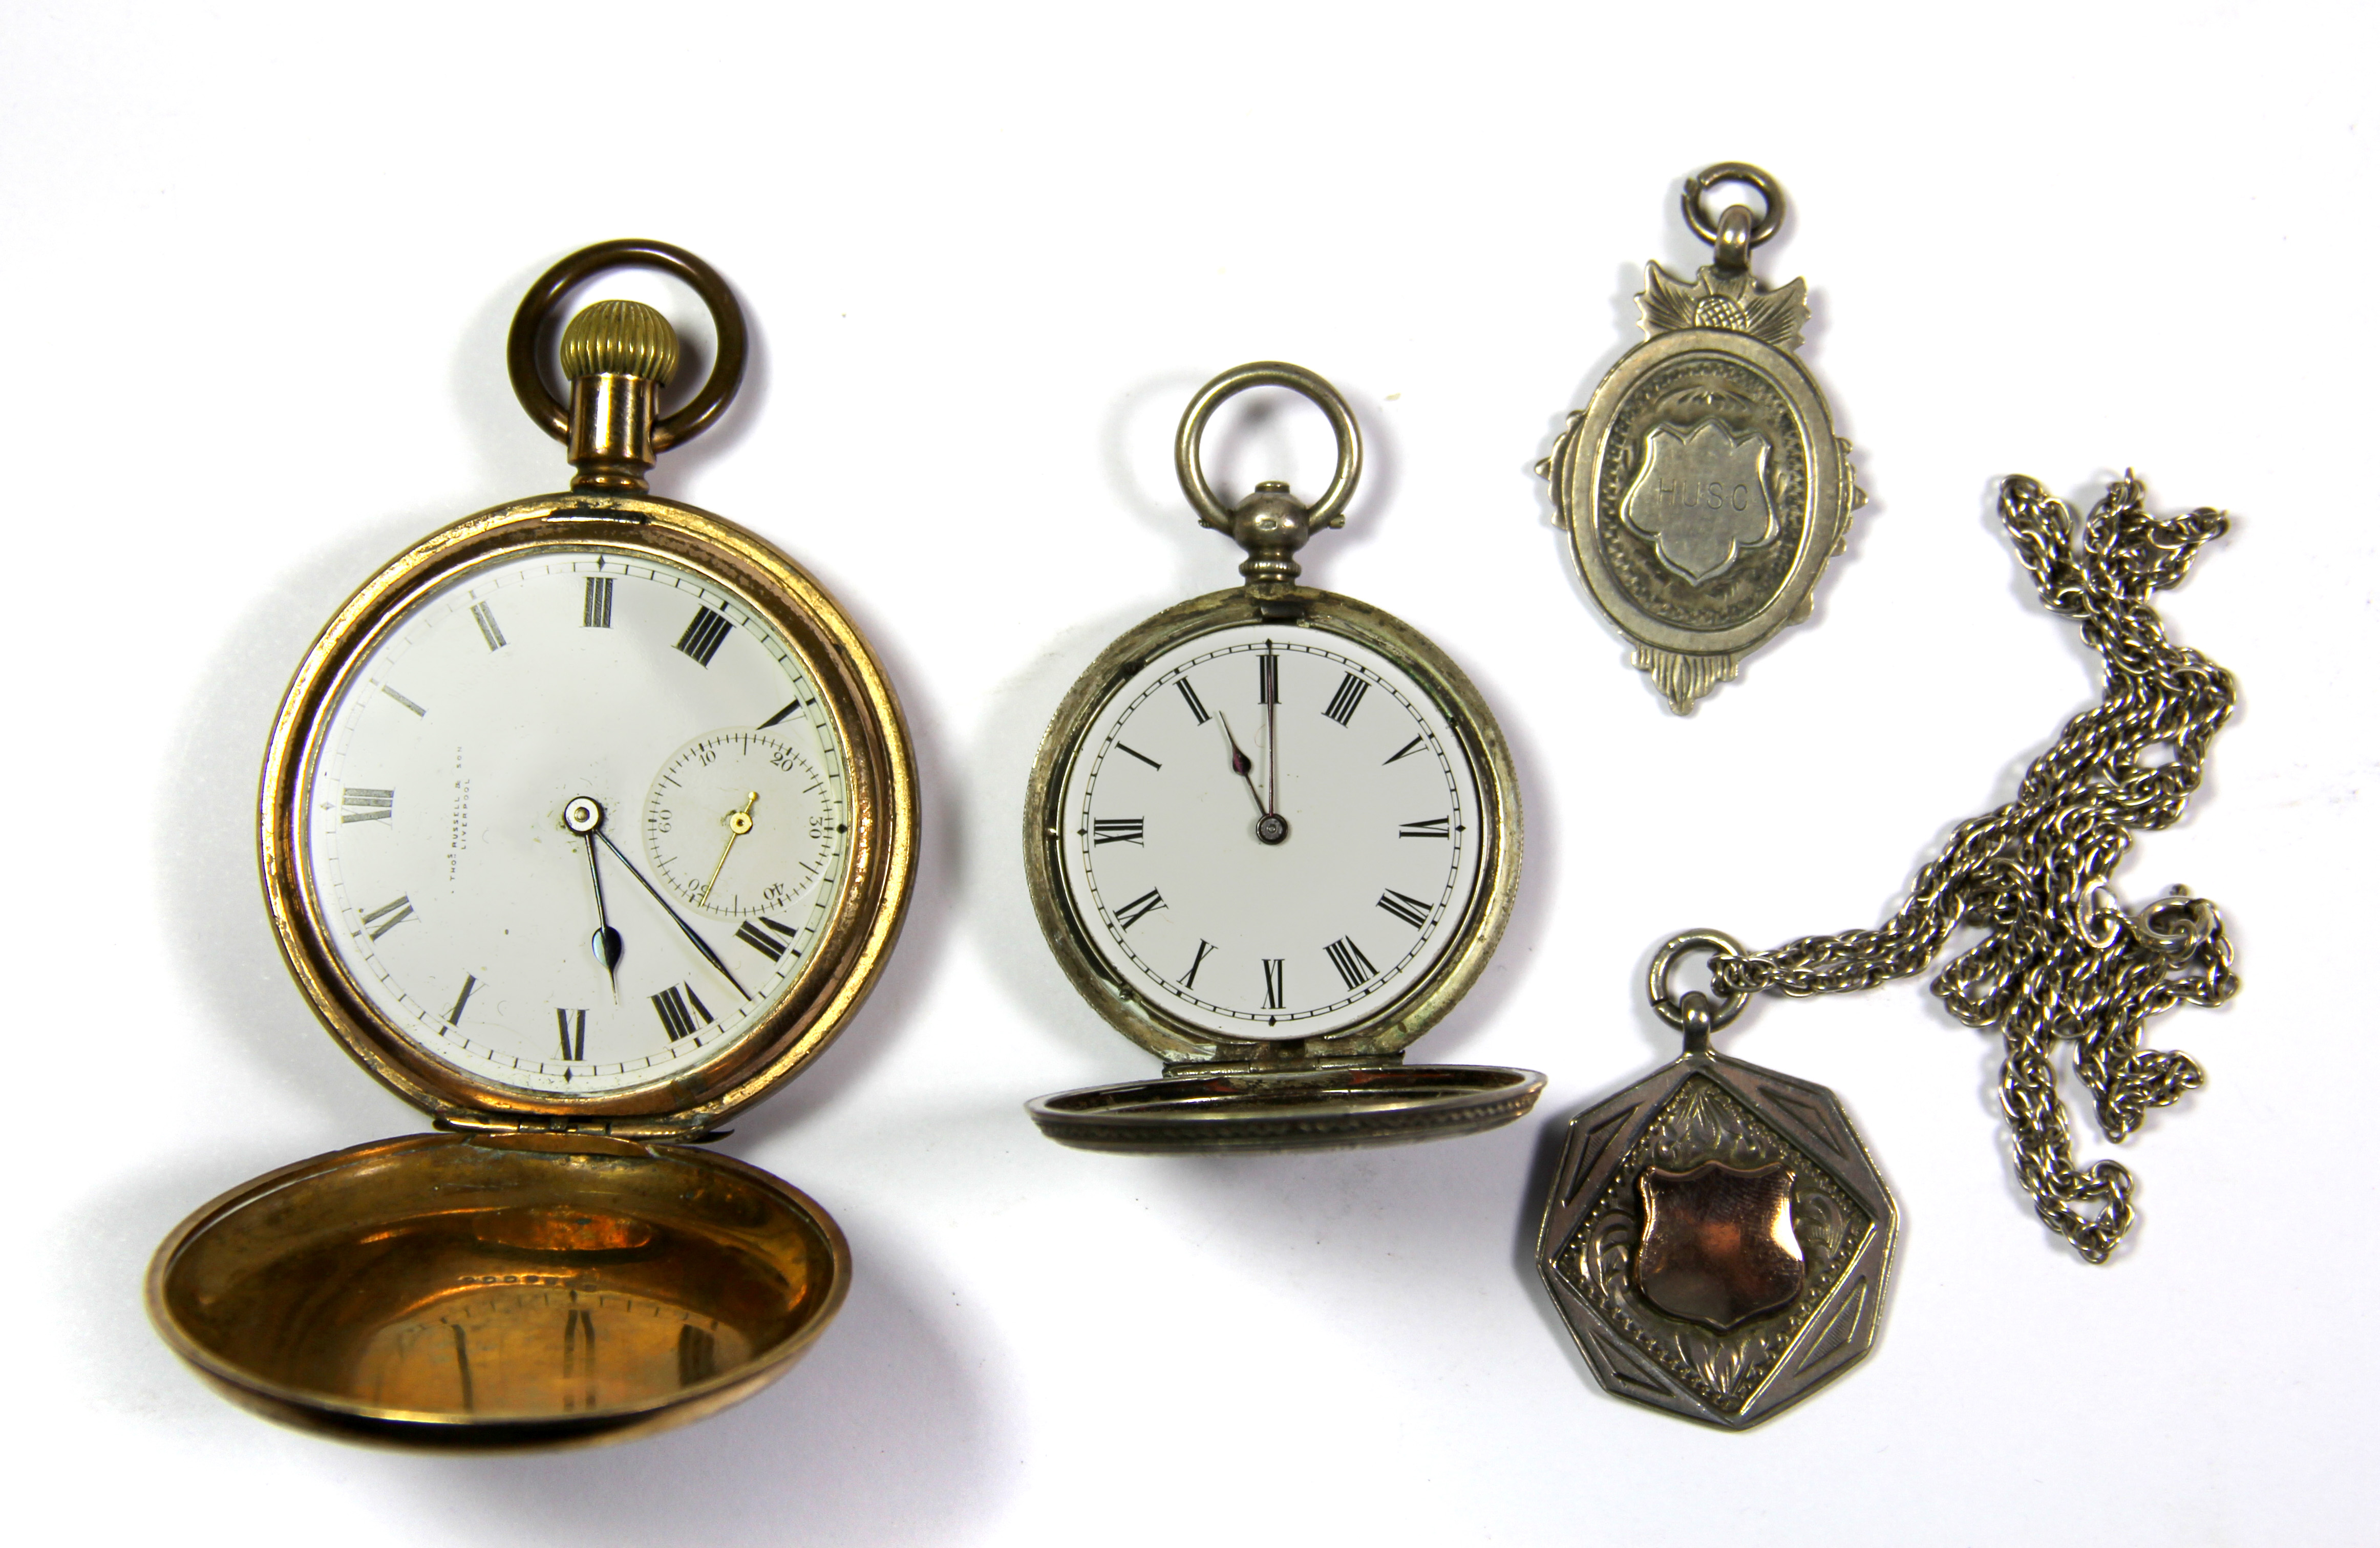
point(699, 943)
point(1273, 753)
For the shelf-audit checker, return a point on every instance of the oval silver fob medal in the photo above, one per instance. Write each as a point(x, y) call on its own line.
point(1703, 484)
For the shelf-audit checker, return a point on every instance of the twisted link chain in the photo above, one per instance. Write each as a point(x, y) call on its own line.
point(2062, 960)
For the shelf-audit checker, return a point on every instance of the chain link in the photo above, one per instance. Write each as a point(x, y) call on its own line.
point(2062, 961)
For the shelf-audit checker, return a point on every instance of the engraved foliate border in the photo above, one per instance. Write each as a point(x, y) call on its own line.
point(1765, 1340)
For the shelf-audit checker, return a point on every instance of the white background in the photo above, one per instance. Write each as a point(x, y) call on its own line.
point(259, 260)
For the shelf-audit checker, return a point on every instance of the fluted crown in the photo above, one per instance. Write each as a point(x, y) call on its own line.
point(627, 337)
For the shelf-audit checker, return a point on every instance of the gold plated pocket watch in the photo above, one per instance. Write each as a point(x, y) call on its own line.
point(1272, 835)
point(587, 821)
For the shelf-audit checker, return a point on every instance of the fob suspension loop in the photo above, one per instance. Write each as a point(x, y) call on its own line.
point(618, 355)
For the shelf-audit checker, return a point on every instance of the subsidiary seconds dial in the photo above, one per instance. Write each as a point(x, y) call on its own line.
point(1271, 832)
point(741, 821)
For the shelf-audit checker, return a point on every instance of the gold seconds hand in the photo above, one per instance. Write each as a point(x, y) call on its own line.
point(738, 825)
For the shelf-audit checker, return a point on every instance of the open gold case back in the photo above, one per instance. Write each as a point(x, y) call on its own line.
point(552, 1268)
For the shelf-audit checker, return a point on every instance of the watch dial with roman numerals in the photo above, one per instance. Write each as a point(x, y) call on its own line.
point(576, 821)
point(1270, 832)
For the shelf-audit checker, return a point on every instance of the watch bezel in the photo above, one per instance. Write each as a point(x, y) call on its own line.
point(880, 776)
point(1402, 1017)
point(1829, 498)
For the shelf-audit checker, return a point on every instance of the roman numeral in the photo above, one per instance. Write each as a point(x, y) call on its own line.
point(486, 619)
point(681, 1010)
point(1267, 679)
point(1405, 751)
point(455, 1017)
point(579, 1357)
point(752, 934)
point(1139, 910)
point(698, 1355)
point(1190, 697)
point(1342, 704)
point(574, 1034)
point(397, 913)
point(1429, 827)
point(597, 614)
point(703, 633)
point(1413, 910)
point(1190, 977)
point(1142, 756)
point(1349, 959)
point(371, 806)
point(1115, 830)
point(1272, 983)
point(404, 701)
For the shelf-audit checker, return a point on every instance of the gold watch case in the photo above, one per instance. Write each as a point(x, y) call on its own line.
point(551, 1269)
point(1350, 1087)
point(851, 687)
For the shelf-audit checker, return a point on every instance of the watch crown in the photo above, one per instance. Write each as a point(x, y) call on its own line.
point(625, 338)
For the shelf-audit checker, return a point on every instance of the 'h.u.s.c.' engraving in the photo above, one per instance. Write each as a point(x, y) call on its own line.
point(1702, 497)
point(1703, 485)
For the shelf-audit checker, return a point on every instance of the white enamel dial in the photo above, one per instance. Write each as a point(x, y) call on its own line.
point(551, 746)
point(1270, 832)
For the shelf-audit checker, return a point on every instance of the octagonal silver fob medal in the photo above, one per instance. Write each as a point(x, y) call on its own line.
point(1704, 486)
point(1717, 1237)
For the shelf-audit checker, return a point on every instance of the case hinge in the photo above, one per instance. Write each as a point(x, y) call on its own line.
point(675, 1130)
point(1283, 1058)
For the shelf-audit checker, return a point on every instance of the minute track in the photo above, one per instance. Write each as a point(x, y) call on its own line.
point(456, 841)
point(1150, 827)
